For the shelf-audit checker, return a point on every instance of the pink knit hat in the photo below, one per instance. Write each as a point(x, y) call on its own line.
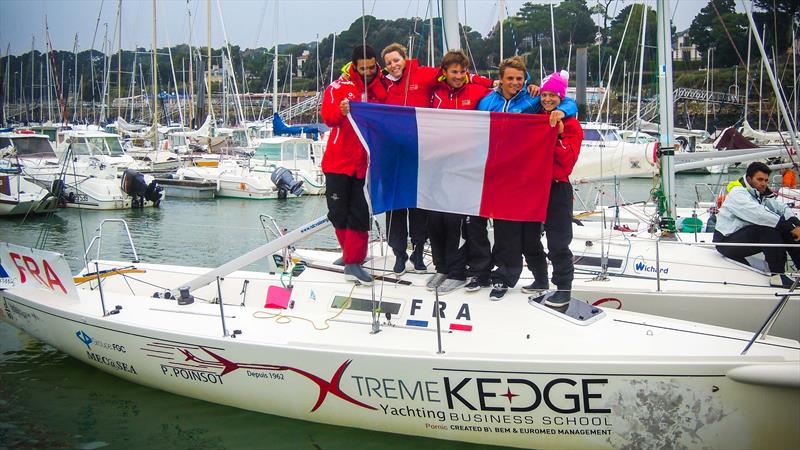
point(556, 82)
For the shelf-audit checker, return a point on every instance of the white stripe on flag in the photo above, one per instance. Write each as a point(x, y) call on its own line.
point(453, 147)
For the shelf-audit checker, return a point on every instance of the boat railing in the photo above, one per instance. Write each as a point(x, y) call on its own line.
point(763, 331)
point(273, 231)
point(98, 238)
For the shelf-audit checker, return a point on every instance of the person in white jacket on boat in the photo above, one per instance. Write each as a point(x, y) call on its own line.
point(752, 213)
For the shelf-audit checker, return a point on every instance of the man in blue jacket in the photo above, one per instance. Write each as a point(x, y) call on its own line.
point(509, 96)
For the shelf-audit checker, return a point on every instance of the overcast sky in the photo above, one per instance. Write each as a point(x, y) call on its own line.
point(249, 23)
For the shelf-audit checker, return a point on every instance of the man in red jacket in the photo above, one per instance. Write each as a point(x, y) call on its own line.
point(345, 161)
point(409, 84)
point(454, 91)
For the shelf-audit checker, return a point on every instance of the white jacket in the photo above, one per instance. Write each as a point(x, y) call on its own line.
point(745, 206)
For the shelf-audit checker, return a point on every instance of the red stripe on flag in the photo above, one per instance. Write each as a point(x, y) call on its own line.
point(460, 327)
point(519, 167)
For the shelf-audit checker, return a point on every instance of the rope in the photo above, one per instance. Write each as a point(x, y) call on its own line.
point(282, 319)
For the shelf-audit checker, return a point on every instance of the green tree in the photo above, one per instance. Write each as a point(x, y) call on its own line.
point(708, 31)
point(779, 15)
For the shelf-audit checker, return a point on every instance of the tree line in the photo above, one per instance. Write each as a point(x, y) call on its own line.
point(718, 26)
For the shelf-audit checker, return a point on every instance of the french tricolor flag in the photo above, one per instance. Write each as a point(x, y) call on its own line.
point(478, 163)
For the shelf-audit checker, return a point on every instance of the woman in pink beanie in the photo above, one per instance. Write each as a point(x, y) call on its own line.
point(558, 224)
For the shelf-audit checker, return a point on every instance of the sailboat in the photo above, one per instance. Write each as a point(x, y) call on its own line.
point(302, 343)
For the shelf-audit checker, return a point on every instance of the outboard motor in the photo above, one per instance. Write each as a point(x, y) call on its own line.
point(136, 185)
point(285, 182)
point(57, 191)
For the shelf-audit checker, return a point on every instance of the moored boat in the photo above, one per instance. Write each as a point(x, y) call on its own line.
point(303, 343)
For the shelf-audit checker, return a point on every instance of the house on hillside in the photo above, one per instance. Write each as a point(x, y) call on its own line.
point(683, 49)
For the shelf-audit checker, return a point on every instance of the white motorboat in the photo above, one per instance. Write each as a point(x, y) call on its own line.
point(78, 183)
point(234, 178)
point(294, 154)
point(19, 196)
point(305, 344)
point(97, 145)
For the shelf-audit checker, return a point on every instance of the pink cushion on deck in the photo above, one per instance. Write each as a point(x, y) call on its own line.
point(278, 297)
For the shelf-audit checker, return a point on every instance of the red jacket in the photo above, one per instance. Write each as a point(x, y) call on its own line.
point(417, 84)
point(568, 147)
point(344, 153)
point(465, 97)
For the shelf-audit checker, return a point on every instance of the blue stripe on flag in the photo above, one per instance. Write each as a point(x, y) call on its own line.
point(390, 133)
point(416, 323)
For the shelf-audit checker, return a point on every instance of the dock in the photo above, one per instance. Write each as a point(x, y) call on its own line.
point(175, 188)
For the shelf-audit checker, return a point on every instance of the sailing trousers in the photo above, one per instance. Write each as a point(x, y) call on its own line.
point(478, 248)
point(448, 255)
point(512, 240)
point(558, 230)
point(349, 213)
point(404, 223)
point(758, 234)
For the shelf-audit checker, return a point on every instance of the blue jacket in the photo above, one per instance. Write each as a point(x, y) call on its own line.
point(522, 103)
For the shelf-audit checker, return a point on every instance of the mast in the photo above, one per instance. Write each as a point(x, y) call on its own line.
point(119, 59)
point(155, 82)
point(275, 66)
point(761, 80)
point(333, 54)
point(747, 73)
point(237, 102)
point(553, 34)
point(501, 6)
point(132, 91)
point(191, 74)
point(665, 111)
point(75, 81)
point(106, 65)
point(47, 62)
point(772, 80)
point(33, 68)
point(7, 84)
point(641, 70)
point(208, 73)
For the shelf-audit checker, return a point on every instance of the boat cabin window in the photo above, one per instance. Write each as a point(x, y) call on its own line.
point(271, 151)
point(301, 150)
point(177, 141)
point(611, 135)
point(113, 146)
point(80, 147)
point(34, 146)
point(49, 132)
point(239, 138)
point(592, 135)
point(5, 142)
point(363, 304)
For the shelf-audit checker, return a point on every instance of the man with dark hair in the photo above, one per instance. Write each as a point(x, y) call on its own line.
point(752, 213)
point(345, 161)
point(514, 239)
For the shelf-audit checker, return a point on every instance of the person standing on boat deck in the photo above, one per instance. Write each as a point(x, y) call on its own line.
point(558, 222)
point(345, 161)
point(454, 91)
point(409, 84)
point(514, 239)
point(752, 213)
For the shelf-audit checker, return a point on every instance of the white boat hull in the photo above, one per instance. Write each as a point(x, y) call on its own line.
point(510, 373)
